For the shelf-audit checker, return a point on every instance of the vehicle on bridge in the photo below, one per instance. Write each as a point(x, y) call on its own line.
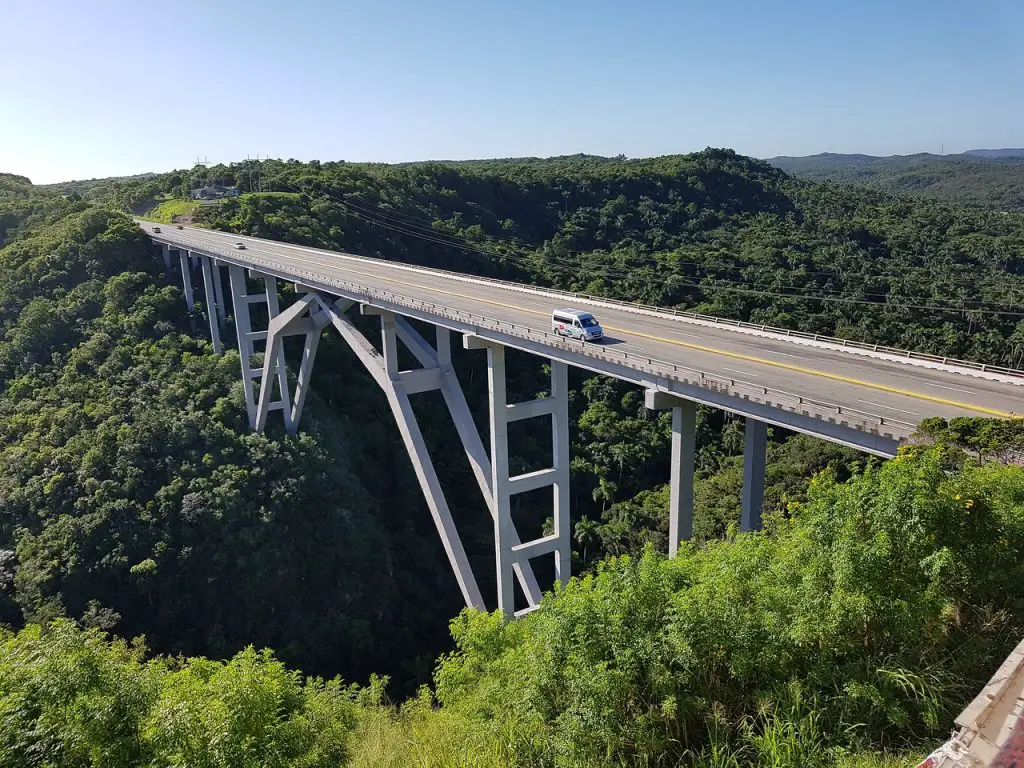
point(576, 325)
point(240, 246)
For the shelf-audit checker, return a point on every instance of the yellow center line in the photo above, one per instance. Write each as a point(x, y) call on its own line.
point(700, 347)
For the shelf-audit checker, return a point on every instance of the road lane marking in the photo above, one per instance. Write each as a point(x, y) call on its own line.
point(684, 344)
point(888, 407)
point(737, 370)
point(955, 389)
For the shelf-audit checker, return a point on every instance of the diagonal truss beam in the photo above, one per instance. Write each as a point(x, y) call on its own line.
point(455, 399)
point(309, 315)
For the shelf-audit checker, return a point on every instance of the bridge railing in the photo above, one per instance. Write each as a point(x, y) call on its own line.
point(863, 421)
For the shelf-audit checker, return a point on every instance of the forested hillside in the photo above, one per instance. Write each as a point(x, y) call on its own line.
point(992, 179)
point(714, 231)
point(133, 498)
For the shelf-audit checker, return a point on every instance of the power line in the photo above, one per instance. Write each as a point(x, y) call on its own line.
point(448, 240)
point(419, 223)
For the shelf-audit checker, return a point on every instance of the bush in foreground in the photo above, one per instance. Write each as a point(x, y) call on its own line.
point(864, 619)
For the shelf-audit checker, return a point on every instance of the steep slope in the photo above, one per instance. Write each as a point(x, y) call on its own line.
point(134, 495)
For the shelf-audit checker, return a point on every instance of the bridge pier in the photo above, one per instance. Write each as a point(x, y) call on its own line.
point(310, 314)
point(186, 278)
point(212, 305)
point(755, 442)
point(218, 292)
point(508, 552)
point(165, 251)
point(684, 449)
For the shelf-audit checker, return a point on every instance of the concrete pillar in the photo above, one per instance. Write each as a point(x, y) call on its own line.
point(212, 310)
point(218, 292)
point(504, 530)
point(560, 453)
point(684, 447)
point(165, 249)
point(186, 278)
point(243, 330)
point(753, 474)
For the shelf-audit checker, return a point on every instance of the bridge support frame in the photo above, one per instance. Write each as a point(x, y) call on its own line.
point(218, 291)
point(508, 550)
point(313, 312)
point(241, 300)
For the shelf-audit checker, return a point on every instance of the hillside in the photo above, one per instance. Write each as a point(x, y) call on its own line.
point(1005, 152)
point(134, 500)
point(990, 178)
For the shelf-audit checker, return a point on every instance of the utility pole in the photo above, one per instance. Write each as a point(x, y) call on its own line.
point(204, 181)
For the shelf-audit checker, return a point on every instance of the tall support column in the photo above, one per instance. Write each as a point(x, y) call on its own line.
point(212, 305)
point(684, 446)
point(302, 380)
point(165, 250)
point(753, 474)
point(503, 525)
point(508, 552)
point(560, 463)
point(218, 292)
point(244, 331)
point(186, 277)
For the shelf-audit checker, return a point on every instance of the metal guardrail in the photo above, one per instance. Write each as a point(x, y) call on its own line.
point(863, 421)
point(719, 321)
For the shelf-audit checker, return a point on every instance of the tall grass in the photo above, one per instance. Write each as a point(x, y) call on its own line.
point(168, 209)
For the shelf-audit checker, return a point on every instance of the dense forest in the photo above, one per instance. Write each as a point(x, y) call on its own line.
point(992, 179)
point(134, 500)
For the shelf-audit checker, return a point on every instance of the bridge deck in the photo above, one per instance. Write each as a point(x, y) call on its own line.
point(862, 384)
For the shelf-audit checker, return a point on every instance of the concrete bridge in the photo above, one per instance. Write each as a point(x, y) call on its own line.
point(863, 396)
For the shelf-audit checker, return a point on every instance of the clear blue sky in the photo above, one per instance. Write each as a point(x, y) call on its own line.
point(107, 87)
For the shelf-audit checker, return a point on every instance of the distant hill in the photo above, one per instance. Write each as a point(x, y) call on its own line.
point(13, 182)
point(93, 188)
point(993, 178)
point(1006, 152)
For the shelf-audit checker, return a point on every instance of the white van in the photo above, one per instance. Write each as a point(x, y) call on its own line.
point(576, 325)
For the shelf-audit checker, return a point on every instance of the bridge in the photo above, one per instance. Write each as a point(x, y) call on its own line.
point(864, 396)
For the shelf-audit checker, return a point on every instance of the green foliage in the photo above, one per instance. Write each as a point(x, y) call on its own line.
point(866, 617)
point(72, 698)
point(69, 698)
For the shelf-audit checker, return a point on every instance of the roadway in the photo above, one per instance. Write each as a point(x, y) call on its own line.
point(898, 391)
